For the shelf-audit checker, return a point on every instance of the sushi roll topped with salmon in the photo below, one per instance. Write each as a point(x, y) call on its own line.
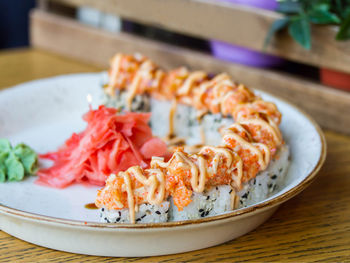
point(226, 148)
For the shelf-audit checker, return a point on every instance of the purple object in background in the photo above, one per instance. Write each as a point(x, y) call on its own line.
point(242, 55)
point(263, 4)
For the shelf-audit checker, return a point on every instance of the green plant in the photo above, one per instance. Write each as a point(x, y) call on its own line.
point(300, 14)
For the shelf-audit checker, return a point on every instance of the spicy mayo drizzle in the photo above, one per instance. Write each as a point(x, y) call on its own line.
point(155, 185)
point(247, 148)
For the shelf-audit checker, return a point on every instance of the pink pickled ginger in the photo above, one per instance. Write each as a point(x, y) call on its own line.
point(111, 143)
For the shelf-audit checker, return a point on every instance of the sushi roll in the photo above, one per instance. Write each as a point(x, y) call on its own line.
point(267, 181)
point(227, 149)
point(223, 198)
point(135, 195)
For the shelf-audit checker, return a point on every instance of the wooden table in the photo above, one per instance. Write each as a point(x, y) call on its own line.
point(313, 226)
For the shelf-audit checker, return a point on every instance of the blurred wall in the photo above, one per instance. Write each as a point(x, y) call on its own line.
point(14, 22)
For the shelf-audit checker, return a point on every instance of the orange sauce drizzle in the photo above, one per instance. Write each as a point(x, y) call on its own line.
point(215, 95)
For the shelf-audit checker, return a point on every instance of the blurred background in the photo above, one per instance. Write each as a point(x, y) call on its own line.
point(14, 23)
point(296, 49)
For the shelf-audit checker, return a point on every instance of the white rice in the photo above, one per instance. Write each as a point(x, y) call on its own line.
point(147, 213)
point(209, 203)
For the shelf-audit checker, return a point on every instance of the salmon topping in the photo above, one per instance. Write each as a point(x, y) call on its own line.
point(247, 146)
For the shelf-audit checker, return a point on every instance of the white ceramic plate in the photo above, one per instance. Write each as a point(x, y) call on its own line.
point(44, 113)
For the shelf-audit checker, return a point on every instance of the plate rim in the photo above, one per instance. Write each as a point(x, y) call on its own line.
point(279, 199)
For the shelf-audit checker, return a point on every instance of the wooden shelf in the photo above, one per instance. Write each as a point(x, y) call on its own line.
point(245, 26)
point(330, 107)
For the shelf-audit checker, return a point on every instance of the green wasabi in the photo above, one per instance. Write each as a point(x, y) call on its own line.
point(16, 162)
